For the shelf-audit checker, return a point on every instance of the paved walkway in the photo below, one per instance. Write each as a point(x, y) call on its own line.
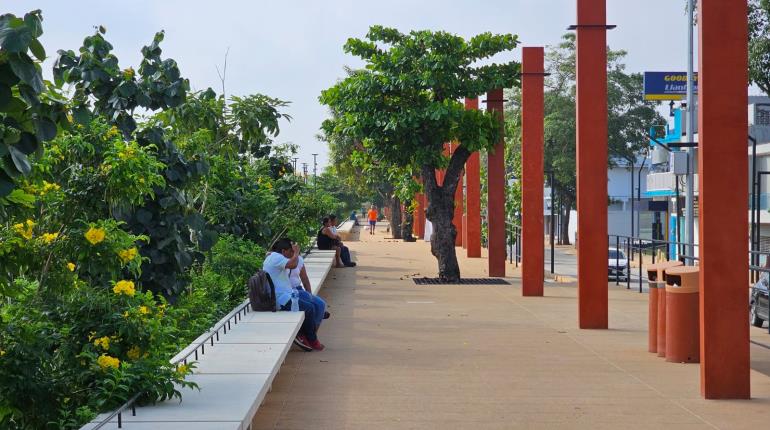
point(401, 356)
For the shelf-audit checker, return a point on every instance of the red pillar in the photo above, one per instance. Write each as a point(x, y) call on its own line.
point(473, 199)
point(533, 254)
point(592, 163)
point(496, 190)
point(457, 220)
point(724, 334)
point(419, 216)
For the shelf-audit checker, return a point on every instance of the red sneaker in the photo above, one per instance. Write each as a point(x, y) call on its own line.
point(302, 342)
point(318, 346)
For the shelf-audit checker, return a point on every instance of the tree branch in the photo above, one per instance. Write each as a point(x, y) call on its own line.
point(455, 169)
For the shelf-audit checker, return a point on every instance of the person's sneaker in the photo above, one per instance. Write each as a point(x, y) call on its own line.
point(302, 342)
point(318, 346)
point(327, 315)
point(351, 264)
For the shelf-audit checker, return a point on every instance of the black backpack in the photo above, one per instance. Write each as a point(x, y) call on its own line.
point(262, 292)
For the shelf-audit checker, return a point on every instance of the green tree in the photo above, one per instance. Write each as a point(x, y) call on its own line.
point(29, 113)
point(405, 105)
point(759, 44)
point(630, 118)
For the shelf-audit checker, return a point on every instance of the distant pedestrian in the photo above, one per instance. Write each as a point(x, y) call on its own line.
point(372, 216)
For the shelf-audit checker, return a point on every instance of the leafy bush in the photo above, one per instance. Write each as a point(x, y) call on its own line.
point(65, 357)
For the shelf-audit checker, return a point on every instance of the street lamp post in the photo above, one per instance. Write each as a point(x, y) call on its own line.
point(690, 191)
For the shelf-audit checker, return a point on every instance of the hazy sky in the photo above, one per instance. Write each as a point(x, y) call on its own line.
point(292, 49)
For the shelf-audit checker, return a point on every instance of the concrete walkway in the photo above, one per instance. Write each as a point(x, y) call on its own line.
point(402, 356)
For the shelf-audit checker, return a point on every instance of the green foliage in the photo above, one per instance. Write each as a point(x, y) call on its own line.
point(116, 213)
point(28, 116)
point(405, 105)
point(65, 357)
point(630, 117)
point(759, 44)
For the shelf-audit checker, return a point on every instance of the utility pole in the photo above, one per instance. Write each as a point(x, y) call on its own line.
point(295, 164)
point(690, 191)
point(304, 171)
point(315, 167)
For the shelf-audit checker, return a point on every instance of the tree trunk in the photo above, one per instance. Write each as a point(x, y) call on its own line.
point(395, 217)
point(406, 226)
point(440, 212)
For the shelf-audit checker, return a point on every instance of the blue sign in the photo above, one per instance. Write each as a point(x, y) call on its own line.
point(667, 85)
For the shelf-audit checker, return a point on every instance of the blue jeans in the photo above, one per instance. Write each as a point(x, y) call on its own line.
point(309, 326)
point(318, 303)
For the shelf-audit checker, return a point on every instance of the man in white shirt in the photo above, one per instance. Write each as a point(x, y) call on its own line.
point(285, 255)
point(299, 280)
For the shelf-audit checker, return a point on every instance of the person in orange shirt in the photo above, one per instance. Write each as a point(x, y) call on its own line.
point(372, 216)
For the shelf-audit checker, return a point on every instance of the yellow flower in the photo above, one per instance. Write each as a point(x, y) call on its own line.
point(127, 153)
point(50, 237)
point(125, 314)
point(134, 352)
point(127, 255)
point(2, 352)
point(144, 310)
point(25, 230)
point(124, 287)
point(95, 235)
point(103, 342)
point(183, 369)
point(47, 186)
point(106, 361)
point(128, 73)
point(71, 266)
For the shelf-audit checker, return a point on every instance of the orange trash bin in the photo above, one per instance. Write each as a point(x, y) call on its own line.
point(682, 315)
point(656, 275)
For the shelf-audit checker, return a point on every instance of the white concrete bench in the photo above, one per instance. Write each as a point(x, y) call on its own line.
point(345, 230)
point(234, 371)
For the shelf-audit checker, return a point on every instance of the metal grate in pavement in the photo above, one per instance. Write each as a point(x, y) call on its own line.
point(464, 281)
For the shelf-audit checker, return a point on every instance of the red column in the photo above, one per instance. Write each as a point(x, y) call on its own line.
point(533, 254)
point(419, 215)
point(457, 220)
point(496, 190)
point(417, 227)
point(722, 121)
point(592, 163)
point(473, 199)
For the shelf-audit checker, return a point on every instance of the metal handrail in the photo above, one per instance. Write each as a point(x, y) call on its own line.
point(201, 346)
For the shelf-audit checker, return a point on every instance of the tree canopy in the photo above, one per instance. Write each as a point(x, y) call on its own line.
point(407, 103)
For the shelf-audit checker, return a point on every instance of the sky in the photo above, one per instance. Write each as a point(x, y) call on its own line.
point(292, 49)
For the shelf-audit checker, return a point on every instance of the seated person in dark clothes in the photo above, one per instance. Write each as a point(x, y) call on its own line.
point(344, 251)
point(325, 240)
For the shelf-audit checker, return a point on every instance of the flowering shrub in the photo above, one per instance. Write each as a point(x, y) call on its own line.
point(89, 347)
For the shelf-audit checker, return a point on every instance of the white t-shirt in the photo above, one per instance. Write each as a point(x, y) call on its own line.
point(294, 278)
point(275, 266)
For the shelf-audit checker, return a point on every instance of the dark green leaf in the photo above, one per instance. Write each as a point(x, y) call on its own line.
point(81, 115)
point(6, 184)
point(5, 95)
point(26, 70)
point(20, 160)
point(14, 36)
point(37, 49)
point(45, 129)
point(27, 143)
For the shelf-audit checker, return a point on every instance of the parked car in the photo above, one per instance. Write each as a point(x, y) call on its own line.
point(758, 304)
point(617, 265)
